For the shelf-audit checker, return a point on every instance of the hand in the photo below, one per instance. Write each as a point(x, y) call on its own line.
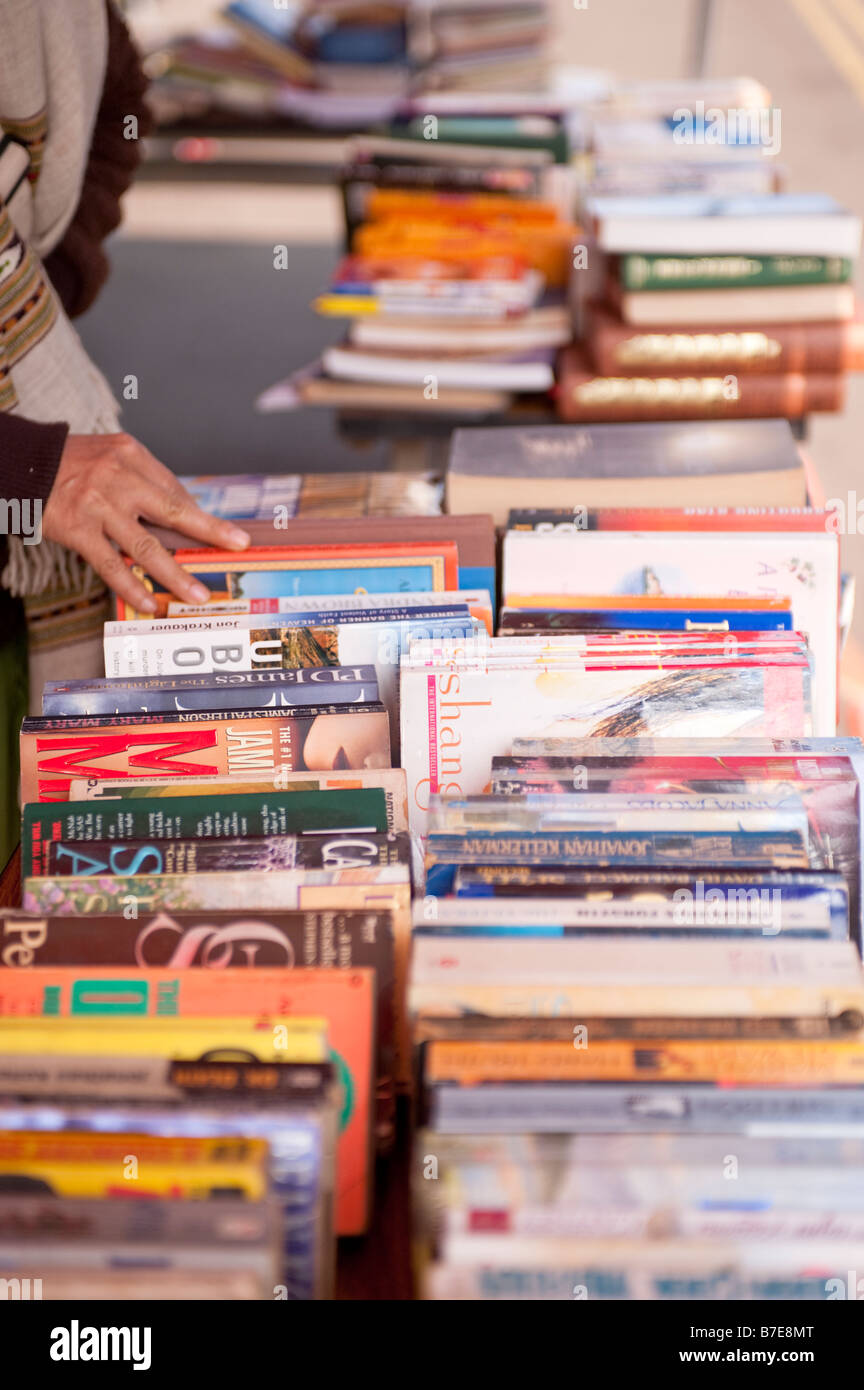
point(105, 482)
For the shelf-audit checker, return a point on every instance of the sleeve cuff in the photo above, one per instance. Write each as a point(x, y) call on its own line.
point(29, 456)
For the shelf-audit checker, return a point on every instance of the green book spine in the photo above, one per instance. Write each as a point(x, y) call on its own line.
point(199, 817)
point(730, 272)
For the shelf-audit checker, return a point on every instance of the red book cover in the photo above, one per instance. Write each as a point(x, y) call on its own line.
point(54, 751)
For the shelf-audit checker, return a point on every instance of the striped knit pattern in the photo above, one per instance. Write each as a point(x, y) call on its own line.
point(31, 132)
point(28, 310)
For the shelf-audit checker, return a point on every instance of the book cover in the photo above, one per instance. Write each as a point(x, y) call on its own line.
point(325, 569)
point(200, 816)
point(454, 722)
point(707, 347)
point(188, 1014)
point(583, 394)
point(801, 566)
point(738, 1063)
point(278, 498)
point(231, 690)
point(389, 780)
point(197, 744)
point(342, 850)
point(659, 272)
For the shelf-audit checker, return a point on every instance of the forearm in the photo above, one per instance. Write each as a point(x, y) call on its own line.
point(29, 457)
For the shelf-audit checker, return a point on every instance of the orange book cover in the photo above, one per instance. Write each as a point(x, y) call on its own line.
point(230, 574)
point(345, 998)
point(197, 744)
point(424, 204)
point(736, 1062)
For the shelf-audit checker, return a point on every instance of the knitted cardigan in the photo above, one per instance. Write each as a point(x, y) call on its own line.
point(67, 266)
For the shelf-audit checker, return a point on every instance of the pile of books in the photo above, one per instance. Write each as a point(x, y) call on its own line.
point(206, 983)
point(710, 293)
point(455, 300)
point(636, 976)
point(346, 63)
point(640, 1017)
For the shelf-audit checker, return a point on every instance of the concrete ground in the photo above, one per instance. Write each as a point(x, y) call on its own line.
point(196, 311)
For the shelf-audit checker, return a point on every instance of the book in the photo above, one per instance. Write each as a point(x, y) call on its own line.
point(657, 272)
point(473, 535)
point(769, 304)
point(737, 463)
point(343, 850)
point(743, 1062)
point(712, 346)
point(528, 371)
point(231, 690)
point(248, 813)
point(299, 570)
point(199, 743)
point(454, 721)
point(696, 560)
point(106, 894)
point(673, 1108)
point(585, 395)
point(188, 1015)
point(278, 498)
point(805, 224)
point(390, 780)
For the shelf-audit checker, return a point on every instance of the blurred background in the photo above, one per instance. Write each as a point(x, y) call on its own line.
point(196, 311)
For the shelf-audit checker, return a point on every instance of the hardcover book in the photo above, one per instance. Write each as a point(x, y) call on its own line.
point(607, 465)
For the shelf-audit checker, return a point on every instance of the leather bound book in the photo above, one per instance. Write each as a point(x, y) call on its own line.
point(583, 395)
point(618, 349)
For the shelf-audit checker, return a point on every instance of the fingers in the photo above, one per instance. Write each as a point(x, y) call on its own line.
point(117, 574)
point(168, 503)
point(145, 550)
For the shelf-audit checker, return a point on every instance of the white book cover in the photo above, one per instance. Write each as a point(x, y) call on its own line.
point(649, 913)
point(462, 371)
point(248, 642)
point(455, 720)
point(801, 566)
point(506, 961)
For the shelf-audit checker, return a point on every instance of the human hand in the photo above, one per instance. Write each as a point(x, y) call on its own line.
point(104, 484)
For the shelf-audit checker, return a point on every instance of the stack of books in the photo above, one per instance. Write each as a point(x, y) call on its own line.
point(639, 1017)
point(216, 866)
point(456, 305)
point(344, 64)
point(636, 972)
point(718, 136)
point(705, 290)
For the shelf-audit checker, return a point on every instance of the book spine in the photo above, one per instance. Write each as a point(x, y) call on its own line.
point(641, 1028)
point(730, 272)
point(583, 396)
point(505, 1000)
point(767, 849)
point(817, 348)
point(752, 1063)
